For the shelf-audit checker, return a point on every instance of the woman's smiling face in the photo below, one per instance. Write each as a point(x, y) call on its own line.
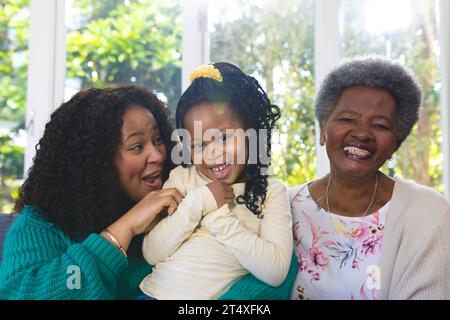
point(360, 133)
point(141, 154)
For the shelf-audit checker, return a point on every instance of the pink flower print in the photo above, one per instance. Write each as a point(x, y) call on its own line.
point(298, 198)
point(359, 230)
point(373, 284)
point(363, 293)
point(302, 263)
point(355, 264)
point(315, 276)
point(376, 217)
point(375, 295)
point(370, 245)
point(318, 258)
point(354, 232)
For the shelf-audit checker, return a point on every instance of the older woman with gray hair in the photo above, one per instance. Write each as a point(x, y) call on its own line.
point(358, 233)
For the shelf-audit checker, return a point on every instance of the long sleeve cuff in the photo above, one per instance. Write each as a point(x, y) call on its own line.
point(106, 252)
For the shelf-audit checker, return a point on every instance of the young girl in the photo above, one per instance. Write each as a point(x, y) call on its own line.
point(233, 219)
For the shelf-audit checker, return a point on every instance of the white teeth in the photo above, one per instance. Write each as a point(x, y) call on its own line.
point(357, 151)
point(156, 174)
point(218, 169)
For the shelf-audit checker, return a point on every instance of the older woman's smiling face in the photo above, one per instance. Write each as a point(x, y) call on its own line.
point(360, 133)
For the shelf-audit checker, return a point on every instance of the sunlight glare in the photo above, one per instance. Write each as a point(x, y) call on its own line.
point(223, 11)
point(383, 16)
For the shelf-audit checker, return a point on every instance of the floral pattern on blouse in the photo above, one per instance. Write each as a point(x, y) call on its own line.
point(338, 256)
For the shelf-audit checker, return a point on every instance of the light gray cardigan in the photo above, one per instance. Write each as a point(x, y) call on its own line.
point(415, 254)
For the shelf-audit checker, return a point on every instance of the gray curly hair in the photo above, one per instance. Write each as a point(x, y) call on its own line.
point(374, 72)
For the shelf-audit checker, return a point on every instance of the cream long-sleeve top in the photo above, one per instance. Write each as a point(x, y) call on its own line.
point(415, 255)
point(200, 250)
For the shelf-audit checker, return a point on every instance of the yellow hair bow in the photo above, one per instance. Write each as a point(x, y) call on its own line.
point(206, 71)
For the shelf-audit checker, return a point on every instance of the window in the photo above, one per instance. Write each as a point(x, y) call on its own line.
point(140, 41)
point(14, 32)
point(404, 30)
point(119, 42)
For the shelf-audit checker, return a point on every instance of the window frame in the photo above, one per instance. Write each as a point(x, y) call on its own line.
point(444, 57)
point(46, 69)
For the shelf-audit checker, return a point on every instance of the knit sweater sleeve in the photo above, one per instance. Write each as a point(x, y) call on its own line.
point(428, 275)
point(39, 263)
point(250, 288)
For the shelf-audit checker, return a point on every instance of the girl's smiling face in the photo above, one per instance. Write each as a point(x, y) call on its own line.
point(360, 133)
point(141, 154)
point(219, 149)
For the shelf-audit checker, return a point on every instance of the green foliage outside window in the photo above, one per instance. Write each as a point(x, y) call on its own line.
point(119, 41)
point(14, 31)
point(420, 157)
point(275, 43)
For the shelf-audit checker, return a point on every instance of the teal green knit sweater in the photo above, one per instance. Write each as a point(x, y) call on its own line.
point(41, 262)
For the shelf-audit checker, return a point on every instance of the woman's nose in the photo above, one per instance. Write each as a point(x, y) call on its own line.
point(361, 132)
point(156, 153)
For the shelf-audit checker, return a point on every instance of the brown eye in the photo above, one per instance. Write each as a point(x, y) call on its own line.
point(136, 148)
point(158, 140)
point(380, 127)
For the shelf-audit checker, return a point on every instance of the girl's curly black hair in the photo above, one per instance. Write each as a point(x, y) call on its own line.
point(244, 95)
point(74, 181)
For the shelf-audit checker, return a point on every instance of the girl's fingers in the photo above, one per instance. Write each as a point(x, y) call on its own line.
point(229, 200)
point(229, 195)
point(228, 189)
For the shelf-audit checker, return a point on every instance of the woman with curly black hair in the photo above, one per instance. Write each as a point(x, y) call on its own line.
point(211, 240)
point(94, 187)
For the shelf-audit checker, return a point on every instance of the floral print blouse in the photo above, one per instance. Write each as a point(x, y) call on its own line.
point(338, 256)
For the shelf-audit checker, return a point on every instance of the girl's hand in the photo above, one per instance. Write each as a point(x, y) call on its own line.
point(222, 192)
point(141, 216)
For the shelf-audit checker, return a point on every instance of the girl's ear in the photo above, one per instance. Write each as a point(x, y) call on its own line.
point(322, 137)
